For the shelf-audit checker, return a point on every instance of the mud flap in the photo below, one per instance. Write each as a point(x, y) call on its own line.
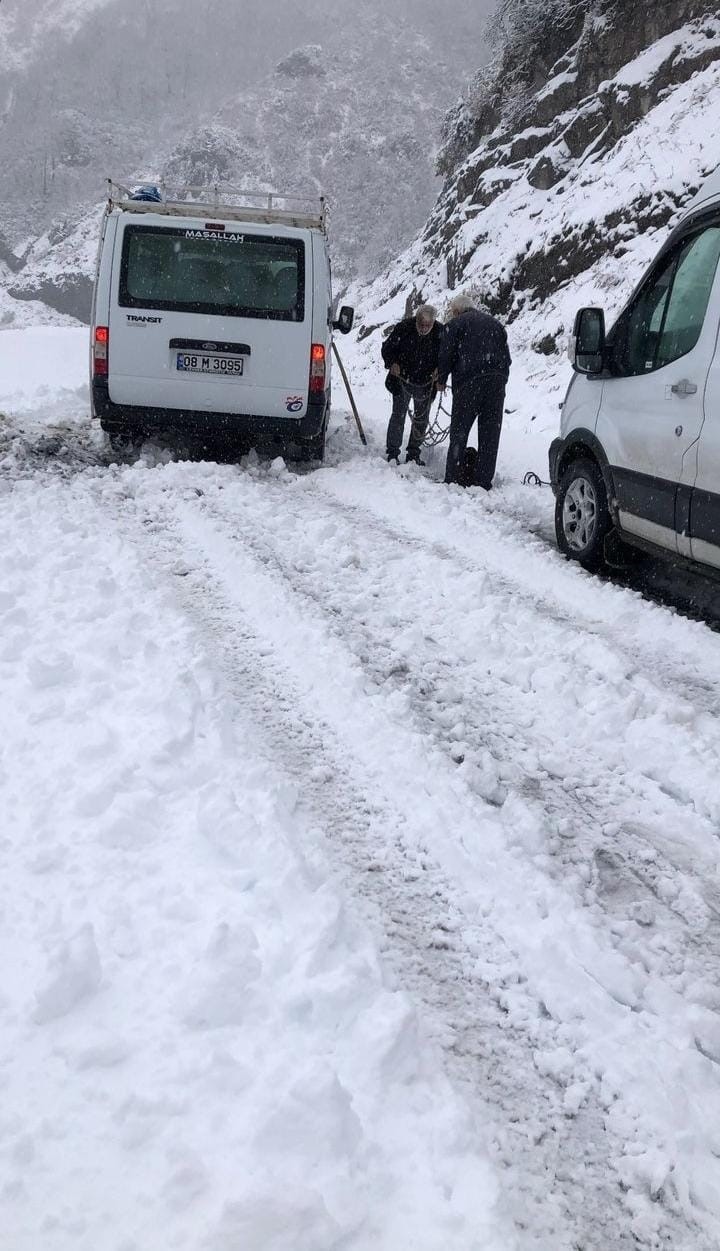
point(617, 555)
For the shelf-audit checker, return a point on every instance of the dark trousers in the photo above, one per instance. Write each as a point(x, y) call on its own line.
point(421, 397)
point(480, 399)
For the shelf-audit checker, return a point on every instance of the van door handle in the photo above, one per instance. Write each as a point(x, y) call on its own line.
point(684, 388)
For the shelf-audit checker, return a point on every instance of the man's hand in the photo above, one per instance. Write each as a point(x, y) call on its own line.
point(395, 370)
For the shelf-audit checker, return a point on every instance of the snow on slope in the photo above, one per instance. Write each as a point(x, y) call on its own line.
point(136, 86)
point(348, 125)
point(60, 267)
point(16, 313)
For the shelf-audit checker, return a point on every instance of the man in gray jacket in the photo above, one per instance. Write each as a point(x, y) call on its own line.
point(410, 353)
point(474, 350)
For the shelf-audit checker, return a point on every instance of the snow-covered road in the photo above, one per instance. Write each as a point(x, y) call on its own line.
point(361, 865)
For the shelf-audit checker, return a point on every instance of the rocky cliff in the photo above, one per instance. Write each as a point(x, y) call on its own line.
point(568, 159)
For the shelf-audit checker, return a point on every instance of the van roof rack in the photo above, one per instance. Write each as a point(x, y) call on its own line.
point(228, 203)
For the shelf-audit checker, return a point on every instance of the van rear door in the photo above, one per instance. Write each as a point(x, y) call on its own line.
point(211, 317)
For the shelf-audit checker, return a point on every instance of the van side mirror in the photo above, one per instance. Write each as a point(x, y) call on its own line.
point(587, 352)
point(345, 319)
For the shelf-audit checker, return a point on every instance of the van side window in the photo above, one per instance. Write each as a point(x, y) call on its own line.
point(665, 320)
point(690, 296)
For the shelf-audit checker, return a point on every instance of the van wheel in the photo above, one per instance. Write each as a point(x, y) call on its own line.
point(582, 515)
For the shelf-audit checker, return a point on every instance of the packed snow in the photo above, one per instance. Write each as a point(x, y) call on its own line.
point(361, 876)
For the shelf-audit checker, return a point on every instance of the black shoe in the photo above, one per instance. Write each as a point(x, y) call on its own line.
point(414, 458)
point(392, 457)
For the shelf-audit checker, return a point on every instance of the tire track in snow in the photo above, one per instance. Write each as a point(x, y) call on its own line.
point(616, 865)
point(492, 554)
point(82, 453)
point(220, 552)
point(463, 974)
point(67, 449)
point(662, 677)
point(441, 941)
point(492, 720)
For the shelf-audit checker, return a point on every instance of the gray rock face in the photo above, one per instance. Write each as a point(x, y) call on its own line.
point(9, 258)
point(545, 174)
point(303, 63)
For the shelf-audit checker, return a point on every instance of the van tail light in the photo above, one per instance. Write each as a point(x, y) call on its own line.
point(317, 369)
point(101, 345)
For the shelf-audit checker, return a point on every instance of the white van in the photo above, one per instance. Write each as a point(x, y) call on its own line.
point(639, 452)
point(213, 318)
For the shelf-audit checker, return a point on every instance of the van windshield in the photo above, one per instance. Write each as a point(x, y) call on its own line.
point(228, 274)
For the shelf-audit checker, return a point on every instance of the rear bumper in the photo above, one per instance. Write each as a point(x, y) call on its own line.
point(123, 418)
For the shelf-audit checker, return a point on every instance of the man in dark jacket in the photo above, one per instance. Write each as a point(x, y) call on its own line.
point(410, 353)
point(474, 350)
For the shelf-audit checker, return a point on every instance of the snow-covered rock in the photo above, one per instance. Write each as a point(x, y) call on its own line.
point(58, 268)
point(567, 162)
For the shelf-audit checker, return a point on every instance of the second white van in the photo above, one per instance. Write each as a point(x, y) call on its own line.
point(639, 450)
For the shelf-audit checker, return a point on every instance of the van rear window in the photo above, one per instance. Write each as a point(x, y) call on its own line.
point(229, 274)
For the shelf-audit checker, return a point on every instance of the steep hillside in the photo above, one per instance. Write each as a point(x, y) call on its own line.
point(121, 87)
point(58, 268)
point(97, 87)
point(347, 125)
point(350, 124)
point(567, 161)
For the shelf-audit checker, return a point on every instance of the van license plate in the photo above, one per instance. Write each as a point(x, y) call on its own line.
point(197, 363)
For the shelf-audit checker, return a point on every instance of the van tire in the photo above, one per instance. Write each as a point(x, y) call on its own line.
point(582, 515)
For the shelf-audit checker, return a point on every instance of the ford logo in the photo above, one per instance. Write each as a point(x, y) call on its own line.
point(209, 347)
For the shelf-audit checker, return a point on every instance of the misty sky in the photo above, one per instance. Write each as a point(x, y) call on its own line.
point(463, 17)
point(93, 87)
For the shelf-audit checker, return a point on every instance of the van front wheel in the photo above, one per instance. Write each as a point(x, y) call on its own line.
point(582, 515)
